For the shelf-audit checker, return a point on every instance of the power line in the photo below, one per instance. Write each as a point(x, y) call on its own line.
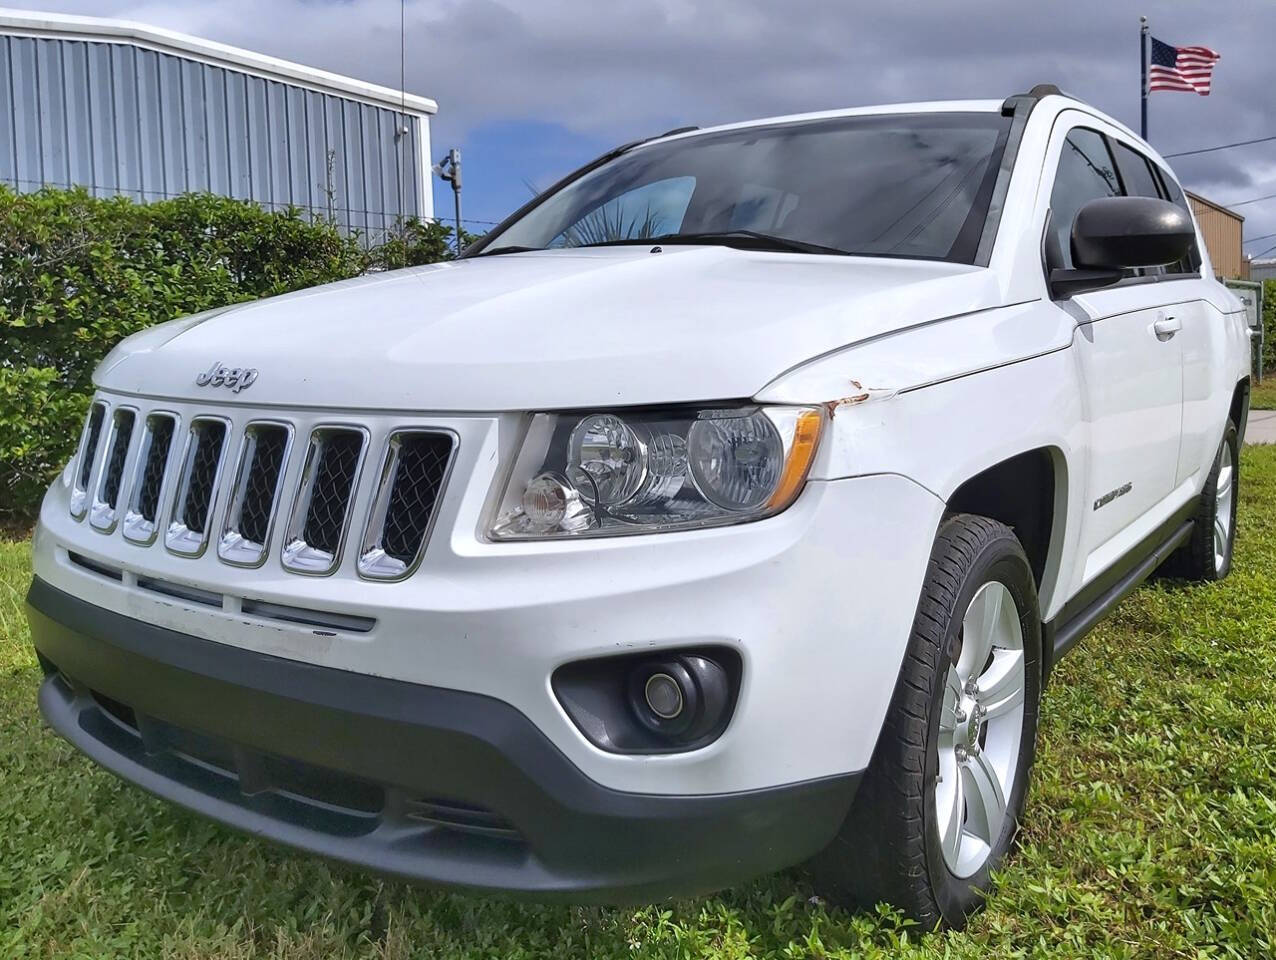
point(1259, 256)
point(1266, 236)
point(1241, 203)
point(1221, 146)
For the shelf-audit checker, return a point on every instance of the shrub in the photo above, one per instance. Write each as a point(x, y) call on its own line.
point(79, 273)
point(414, 243)
point(1269, 325)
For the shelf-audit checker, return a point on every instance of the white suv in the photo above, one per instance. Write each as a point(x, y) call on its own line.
point(723, 509)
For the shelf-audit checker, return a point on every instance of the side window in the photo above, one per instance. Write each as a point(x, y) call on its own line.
point(1136, 172)
point(648, 211)
point(1140, 181)
point(1191, 264)
point(1086, 172)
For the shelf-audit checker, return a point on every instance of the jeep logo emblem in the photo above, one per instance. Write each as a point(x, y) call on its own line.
point(220, 375)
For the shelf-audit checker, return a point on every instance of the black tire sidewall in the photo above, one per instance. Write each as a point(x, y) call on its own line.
point(1001, 561)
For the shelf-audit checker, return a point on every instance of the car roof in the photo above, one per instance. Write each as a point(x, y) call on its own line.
point(1054, 102)
point(930, 106)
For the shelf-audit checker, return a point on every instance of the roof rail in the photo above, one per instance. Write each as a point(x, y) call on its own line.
point(1017, 108)
point(1030, 98)
point(675, 131)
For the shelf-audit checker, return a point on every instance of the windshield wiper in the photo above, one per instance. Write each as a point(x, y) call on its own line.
point(745, 239)
point(494, 251)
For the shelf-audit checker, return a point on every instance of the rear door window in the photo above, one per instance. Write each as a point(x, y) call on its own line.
point(1139, 180)
point(1190, 265)
point(1136, 173)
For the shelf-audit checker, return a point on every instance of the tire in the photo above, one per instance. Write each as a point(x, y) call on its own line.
point(890, 847)
point(1207, 554)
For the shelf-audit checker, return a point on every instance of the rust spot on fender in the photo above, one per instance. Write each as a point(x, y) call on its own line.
point(862, 394)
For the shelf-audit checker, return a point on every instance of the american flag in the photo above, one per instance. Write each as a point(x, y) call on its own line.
point(1181, 68)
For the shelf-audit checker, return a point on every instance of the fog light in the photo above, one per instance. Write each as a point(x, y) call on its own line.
point(682, 699)
point(664, 698)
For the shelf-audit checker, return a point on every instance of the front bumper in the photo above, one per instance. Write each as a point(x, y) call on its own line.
point(817, 602)
point(430, 784)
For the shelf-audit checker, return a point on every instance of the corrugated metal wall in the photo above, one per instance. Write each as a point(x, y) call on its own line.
point(1265, 270)
point(116, 118)
point(1222, 233)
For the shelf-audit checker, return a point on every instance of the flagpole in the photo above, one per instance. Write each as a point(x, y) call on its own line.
point(1143, 77)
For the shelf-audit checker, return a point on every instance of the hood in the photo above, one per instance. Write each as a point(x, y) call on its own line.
point(563, 328)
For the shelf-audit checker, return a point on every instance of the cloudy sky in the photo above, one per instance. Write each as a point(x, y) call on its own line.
point(530, 89)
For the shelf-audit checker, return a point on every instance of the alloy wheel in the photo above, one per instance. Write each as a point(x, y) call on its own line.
point(980, 729)
point(1224, 488)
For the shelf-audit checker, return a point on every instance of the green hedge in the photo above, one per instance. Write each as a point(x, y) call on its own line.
point(79, 273)
point(1269, 326)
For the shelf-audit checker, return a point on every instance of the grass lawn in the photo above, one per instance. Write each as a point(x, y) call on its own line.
point(1150, 831)
point(1263, 395)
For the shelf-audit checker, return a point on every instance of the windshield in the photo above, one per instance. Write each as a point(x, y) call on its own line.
point(901, 185)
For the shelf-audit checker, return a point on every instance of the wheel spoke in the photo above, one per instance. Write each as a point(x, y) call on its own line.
point(978, 629)
point(985, 799)
point(1220, 534)
point(1001, 688)
point(951, 806)
point(948, 711)
point(1224, 484)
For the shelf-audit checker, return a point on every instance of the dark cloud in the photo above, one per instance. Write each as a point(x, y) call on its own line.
point(613, 70)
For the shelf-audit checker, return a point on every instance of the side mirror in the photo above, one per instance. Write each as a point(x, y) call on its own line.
point(1112, 234)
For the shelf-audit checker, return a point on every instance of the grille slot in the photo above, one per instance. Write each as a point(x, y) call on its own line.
point(101, 569)
point(307, 617)
point(256, 493)
point(119, 451)
point(181, 591)
point(106, 501)
point(140, 519)
point(412, 478)
point(197, 490)
point(317, 526)
point(88, 453)
point(461, 818)
point(330, 496)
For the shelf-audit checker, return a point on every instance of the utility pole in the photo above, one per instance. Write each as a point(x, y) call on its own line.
point(449, 169)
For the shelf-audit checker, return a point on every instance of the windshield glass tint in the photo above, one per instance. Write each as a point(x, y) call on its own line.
point(907, 185)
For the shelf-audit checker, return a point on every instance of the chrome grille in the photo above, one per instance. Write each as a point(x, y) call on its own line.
point(103, 514)
point(188, 532)
point(412, 476)
point(140, 519)
point(158, 470)
point(256, 493)
point(88, 454)
point(317, 527)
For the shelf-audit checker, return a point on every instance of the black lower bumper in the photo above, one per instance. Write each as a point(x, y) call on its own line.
point(429, 784)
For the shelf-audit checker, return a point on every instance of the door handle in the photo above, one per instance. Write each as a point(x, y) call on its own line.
point(1166, 327)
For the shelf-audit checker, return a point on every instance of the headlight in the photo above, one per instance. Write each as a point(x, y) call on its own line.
point(616, 472)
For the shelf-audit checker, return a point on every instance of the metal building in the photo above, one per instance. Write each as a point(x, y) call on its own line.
point(1221, 229)
point(1262, 270)
point(124, 108)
